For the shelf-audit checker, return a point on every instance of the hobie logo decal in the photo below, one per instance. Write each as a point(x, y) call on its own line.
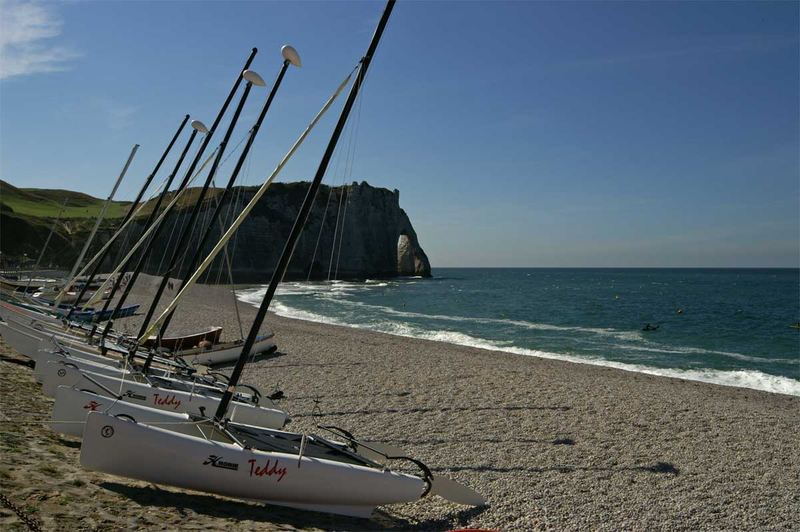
point(256, 471)
point(92, 406)
point(217, 461)
point(166, 400)
point(136, 396)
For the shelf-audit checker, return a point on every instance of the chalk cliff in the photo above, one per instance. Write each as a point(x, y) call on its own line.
point(354, 232)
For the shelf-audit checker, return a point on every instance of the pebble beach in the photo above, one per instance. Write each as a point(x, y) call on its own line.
point(551, 444)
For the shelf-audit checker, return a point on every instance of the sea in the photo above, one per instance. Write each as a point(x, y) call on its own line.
point(735, 327)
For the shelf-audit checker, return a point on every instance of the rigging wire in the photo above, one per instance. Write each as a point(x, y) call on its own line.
point(342, 192)
point(319, 235)
point(337, 163)
point(337, 166)
point(181, 219)
point(233, 247)
point(349, 171)
point(46, 242)
point(252, 203)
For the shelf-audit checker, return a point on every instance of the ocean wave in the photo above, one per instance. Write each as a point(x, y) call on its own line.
point(679, 350)
point(638, 342)
point(752, 379)
point(622, 335)
point(283, 310)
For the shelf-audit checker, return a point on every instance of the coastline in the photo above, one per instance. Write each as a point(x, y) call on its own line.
point(750, 379)
point(550, 443)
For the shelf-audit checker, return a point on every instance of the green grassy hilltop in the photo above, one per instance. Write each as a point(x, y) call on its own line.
point(27, 214)
point(43, 203)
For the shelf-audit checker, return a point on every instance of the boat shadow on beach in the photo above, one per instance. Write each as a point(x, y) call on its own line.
point(278, 354)
point(662, 468)
point(428, 410)
point(216, 507)
point(72, 444)
point(257, 358)
point(17, 360)
point(439, 441)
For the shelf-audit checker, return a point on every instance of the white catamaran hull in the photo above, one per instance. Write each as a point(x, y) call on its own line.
point(135, 450)
point(43, 331)
point(47, 353)
point(10, 311)
point(76, 344)
point(72, 406)
point(20, 340)
point(228, 352)
point(173, 400)
point(53, 373)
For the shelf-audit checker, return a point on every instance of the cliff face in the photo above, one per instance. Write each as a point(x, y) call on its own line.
point(354, 232)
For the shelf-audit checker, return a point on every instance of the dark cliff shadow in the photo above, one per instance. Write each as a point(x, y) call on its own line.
point(424, 410)
point(213, 506)
point(664, 468)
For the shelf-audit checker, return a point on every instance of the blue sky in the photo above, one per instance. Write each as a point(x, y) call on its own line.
point(519, 134)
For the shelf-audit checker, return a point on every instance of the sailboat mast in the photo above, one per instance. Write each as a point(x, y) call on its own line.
point(46, 243)
point(151, 219)
point(234, 226)
point(102, 213)
point(302, 216)
point(99, 262)
point(193, 216)
point(208, 136)
point(214, 216)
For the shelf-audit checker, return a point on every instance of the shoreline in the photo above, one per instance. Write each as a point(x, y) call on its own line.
point(750, 379)
point(549, 443)
point(665, 373)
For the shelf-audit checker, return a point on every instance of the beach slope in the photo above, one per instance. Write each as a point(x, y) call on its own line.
point(551, 444)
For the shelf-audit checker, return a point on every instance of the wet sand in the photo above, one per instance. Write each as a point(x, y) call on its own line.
point(551, 444)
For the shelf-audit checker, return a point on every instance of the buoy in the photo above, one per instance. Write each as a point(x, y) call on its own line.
point(680, 311)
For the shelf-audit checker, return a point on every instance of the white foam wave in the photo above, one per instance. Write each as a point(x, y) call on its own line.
point(282, 310)
point(635, 337)
point(679, 350)
point(629, 336)
point(622, 335)
point(738, 378)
